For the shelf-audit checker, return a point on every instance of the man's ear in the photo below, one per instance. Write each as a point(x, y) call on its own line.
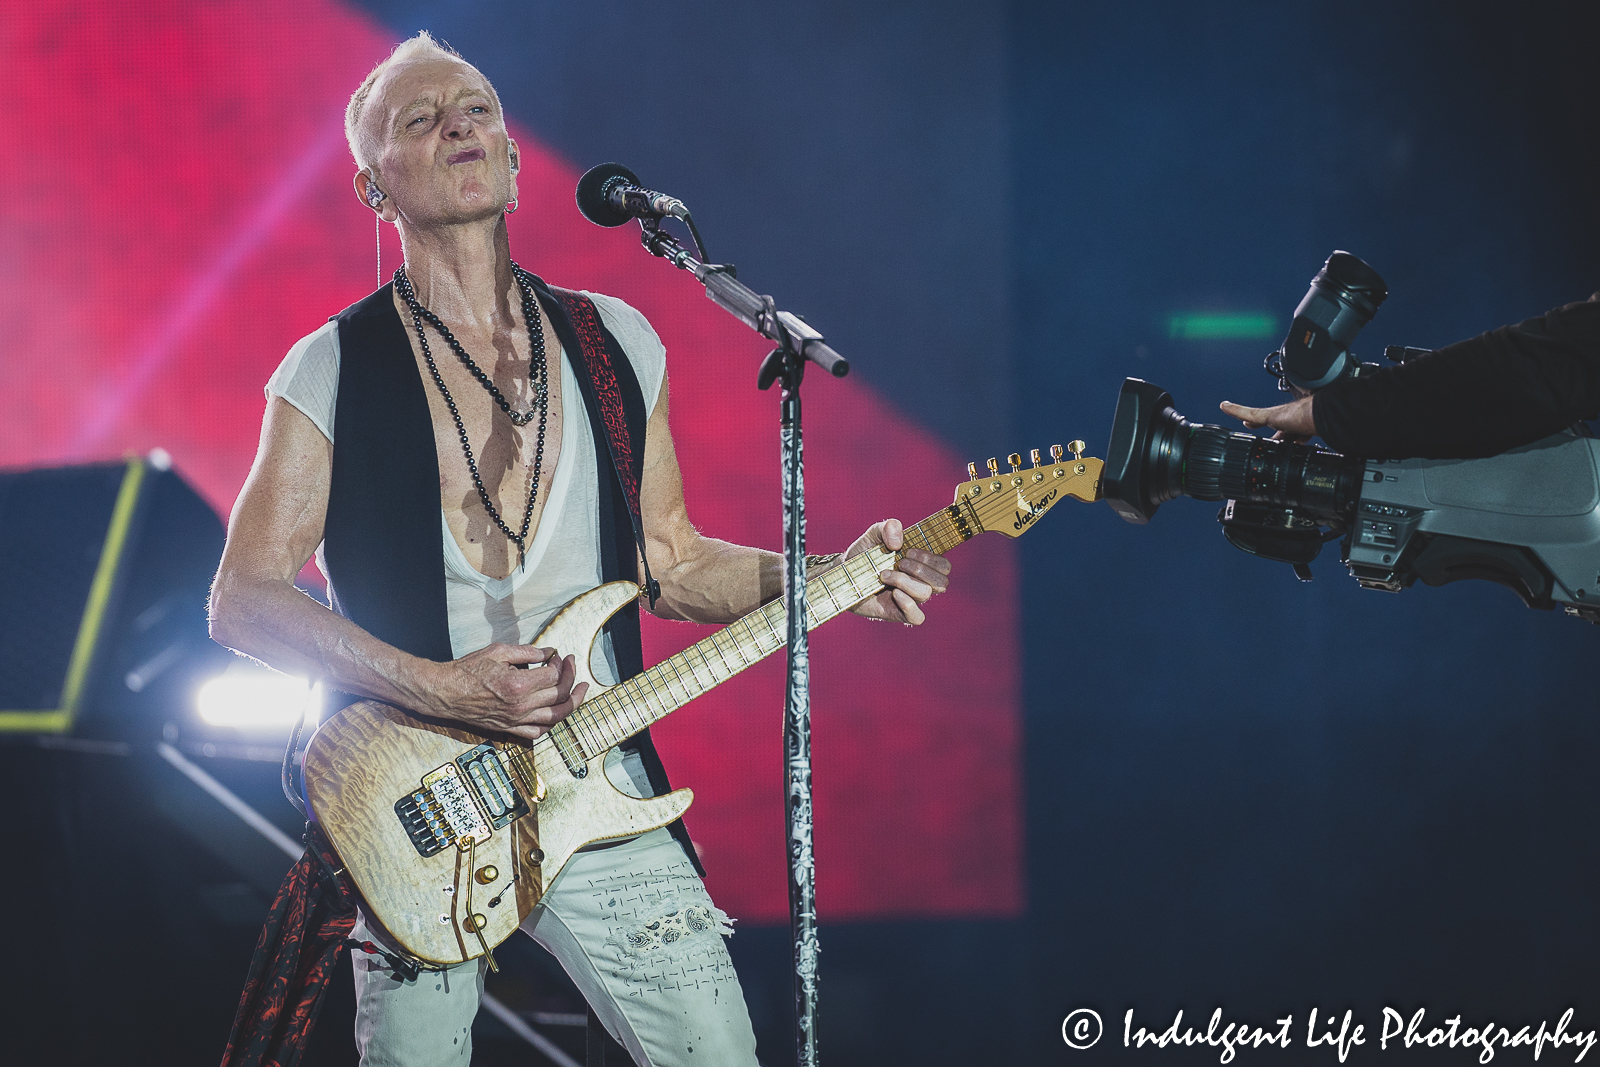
point(515, 156)
point(371, 194)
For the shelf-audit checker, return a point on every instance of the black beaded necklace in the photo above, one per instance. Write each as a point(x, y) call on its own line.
point(538, 377)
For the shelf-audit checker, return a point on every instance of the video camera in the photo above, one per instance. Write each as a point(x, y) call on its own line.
point(1528, 518)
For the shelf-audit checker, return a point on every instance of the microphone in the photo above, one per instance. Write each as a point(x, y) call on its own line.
point(610, 195)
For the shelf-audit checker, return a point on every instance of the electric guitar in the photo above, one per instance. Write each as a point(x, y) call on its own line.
point(451, 837)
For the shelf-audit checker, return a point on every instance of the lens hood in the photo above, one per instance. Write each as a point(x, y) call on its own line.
point(1128, 482)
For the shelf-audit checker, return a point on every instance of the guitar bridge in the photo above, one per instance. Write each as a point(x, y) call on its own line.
point(472, 797)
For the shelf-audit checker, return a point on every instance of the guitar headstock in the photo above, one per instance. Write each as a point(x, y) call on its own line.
point(1009, 502)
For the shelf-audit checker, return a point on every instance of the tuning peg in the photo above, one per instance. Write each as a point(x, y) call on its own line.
point(1036, 457)
point(972, 472)
point(1077, 448)
point(1055, 453)
point(1015, 459)
point(994, 467)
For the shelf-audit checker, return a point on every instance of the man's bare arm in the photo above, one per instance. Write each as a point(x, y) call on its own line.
point(704, 579)
point(276, 525)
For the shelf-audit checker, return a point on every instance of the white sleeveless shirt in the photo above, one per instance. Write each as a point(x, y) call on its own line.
point(563, 559)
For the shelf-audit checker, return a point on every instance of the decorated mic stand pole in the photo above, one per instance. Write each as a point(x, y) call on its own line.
point(796, 343)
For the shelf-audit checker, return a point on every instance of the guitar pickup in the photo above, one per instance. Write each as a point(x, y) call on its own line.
point(497, 797)
point(472, 796)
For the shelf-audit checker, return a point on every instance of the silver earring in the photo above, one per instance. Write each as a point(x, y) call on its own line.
point(511, 206)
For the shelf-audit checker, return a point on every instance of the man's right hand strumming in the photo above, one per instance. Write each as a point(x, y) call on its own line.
point(521, 690)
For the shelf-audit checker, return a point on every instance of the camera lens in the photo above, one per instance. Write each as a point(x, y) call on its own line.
point(1156, 455)
point(1256, 470)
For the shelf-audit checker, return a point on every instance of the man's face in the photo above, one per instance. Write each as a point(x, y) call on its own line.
point(439, 141)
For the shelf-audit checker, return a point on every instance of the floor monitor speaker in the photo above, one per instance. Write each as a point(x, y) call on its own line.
point(104, 572)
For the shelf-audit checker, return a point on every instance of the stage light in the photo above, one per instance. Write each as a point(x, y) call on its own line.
point(1226, 326)
point(249, 697)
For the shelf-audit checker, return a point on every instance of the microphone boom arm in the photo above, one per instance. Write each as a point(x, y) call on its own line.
point(787, 330)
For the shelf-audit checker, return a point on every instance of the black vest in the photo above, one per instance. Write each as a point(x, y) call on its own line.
point(381, 541)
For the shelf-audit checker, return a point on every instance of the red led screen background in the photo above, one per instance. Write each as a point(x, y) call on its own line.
point(182, 213)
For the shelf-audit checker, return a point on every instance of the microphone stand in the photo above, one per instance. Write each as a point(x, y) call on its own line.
point(796, 343)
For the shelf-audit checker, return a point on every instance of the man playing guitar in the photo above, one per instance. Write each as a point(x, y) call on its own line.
point(541, 495)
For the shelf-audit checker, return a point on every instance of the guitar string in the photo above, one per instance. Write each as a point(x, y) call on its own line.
point(612, 717)
point(626, 709)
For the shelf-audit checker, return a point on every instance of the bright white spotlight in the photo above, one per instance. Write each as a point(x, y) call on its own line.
point(248, 697)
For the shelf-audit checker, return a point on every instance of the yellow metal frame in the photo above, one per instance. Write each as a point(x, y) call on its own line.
point(60, 720)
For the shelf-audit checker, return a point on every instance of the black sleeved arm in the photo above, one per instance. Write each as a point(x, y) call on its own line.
point(1479, 397)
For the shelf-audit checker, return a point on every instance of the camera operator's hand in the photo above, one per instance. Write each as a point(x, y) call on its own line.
point(1292, 420)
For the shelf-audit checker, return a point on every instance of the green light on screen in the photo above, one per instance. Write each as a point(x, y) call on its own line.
point(1222, 327)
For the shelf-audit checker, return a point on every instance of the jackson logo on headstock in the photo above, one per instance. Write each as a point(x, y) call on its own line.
point(1028, 512)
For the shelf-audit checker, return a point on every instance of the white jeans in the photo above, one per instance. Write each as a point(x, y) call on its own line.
point(638, 934)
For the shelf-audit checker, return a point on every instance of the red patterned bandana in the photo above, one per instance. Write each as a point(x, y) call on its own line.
point(300, 945)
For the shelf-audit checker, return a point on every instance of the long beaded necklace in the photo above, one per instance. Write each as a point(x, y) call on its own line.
point(538, 377)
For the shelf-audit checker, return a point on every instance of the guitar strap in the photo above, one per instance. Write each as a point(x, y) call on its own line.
point(616, 406)
point(624, 440)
